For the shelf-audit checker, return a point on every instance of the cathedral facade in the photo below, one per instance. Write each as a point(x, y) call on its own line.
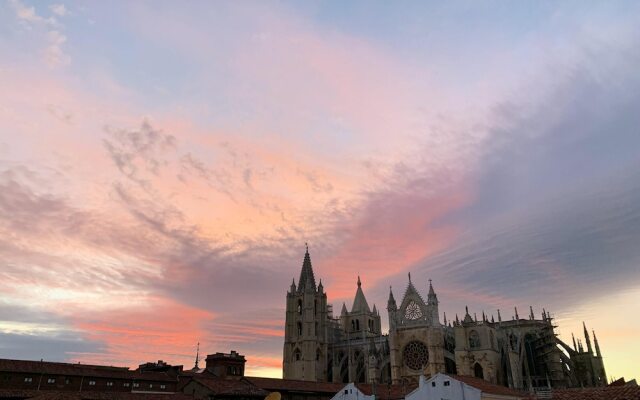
point(521, 353)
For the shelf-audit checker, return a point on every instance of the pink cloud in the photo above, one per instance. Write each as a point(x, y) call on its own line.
point(164, 329)
point(394, 232)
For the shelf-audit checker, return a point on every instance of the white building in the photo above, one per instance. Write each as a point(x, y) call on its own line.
point(445, 387)
point(351, 392)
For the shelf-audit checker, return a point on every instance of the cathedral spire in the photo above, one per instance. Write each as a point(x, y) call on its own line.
point(196, 366)
point(307, 280)
point(499, 317)
point(360, 302)
point(432, 298)
point(574, 342)
point(391, 304)
point(531, 316)
point(595, 342)
point(586, 338)
point(516, 309)
point(580, 348)
point(467, 318)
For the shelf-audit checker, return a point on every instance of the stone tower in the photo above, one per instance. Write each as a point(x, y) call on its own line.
point(362, 327)
point(305, 342)
point(415, 336)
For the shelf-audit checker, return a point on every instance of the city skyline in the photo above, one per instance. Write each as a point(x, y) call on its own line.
point(162, 167)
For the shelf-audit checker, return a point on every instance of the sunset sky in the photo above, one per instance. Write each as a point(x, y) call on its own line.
point(163, 165)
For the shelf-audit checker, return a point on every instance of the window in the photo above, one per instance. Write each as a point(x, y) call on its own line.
point(126, 384)
point(357, 324)
point(51, 380)
point(109, 383)
point(413, 311)
point(299, 328)
point(346, 391)
point(151, 386)
point(315, 307)
point(477, 371)
point(447, 383)
point(163, 387)
point(28, 380)
point(474, 340)
point(297, 355)
point(433, 384)
point(415, 355)
point(300, 307)
point(67, 381)
point(92, 383)
point(136, 384)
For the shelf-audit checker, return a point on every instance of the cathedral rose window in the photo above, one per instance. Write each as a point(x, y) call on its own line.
point(415, 355)
point(413, 311)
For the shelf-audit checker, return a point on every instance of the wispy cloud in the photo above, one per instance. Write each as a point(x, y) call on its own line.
point(58, 9)
point(53, 54)
point(183, 161)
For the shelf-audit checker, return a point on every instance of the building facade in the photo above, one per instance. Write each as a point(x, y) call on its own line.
point(521, 353)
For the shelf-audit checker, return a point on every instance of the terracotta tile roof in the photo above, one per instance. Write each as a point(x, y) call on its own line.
point(386, 392)
point(231, 387)
point(383, 391)
point(290, 385)
point(602, 393)
point(55, 395)
point(98, 371)
point(490, 388)
point(16, 394)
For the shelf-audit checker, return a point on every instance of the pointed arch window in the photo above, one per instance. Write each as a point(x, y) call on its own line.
point(474, 340)
point(300, 307)
point(297, 355)
point(357, 325)
point(299, 328)
point(477, 371)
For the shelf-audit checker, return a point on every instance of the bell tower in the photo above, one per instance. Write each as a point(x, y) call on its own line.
point(305, 341)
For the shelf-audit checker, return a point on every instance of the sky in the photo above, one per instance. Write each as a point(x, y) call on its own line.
point(162, 166)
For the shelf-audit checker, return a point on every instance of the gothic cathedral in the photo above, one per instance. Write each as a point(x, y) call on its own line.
point(521, 353)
